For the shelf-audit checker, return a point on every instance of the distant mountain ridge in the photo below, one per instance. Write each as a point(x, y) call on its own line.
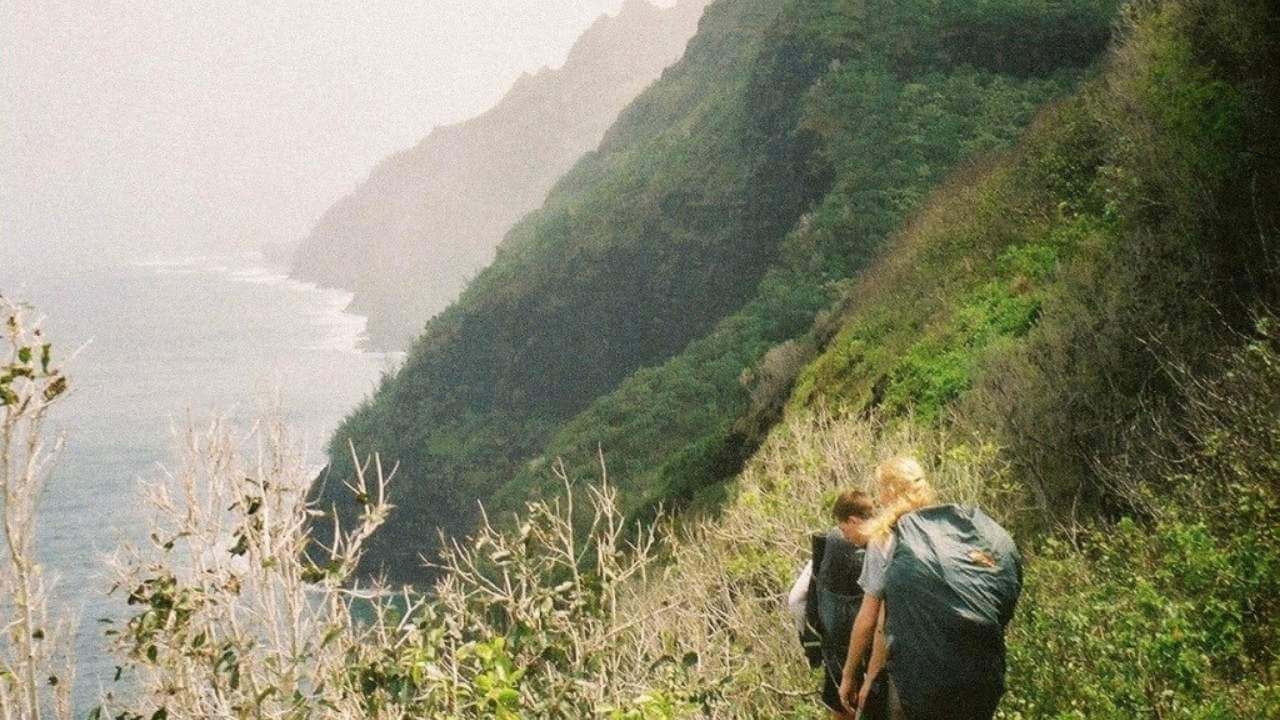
point(428, 218)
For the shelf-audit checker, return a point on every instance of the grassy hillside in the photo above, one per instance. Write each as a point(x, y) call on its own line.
point(1043, 297)
point(716, 220)
point(571, 302)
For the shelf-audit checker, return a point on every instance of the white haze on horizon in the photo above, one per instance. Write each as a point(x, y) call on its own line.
point(134, 129)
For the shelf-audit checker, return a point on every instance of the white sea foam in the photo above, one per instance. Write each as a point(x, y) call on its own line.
point(173, 262)
point(325, 308)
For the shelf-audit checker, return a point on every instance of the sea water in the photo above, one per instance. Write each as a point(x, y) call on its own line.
point(157, 343)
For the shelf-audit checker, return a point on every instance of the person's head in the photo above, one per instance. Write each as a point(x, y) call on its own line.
point(851, 511)
point(896, 477)
point(901, 487)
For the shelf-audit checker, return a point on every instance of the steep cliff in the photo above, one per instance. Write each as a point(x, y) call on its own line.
point(428, 218)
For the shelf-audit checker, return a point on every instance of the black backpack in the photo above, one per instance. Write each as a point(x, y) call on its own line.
point(811, 635)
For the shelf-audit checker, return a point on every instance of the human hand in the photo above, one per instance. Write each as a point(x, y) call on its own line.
point(847, 698)
point(864, 693)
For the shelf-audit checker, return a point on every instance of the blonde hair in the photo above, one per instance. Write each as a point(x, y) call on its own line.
point(902, 479)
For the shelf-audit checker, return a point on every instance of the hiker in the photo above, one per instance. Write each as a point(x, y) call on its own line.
point(901, 487)
point(824, 600)
point(941, 583)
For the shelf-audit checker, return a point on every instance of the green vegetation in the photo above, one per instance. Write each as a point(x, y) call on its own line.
point(1076, 329)
point(436, 211)
point(1037, 297)
point(1090, 306)
point(31, 384)
point(718, 218)
point(1076, 334)
point(1171, 612)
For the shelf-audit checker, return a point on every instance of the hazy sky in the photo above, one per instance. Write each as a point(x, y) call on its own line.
point(167, 126)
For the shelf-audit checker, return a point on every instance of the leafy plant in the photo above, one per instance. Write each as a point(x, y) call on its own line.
point(35, 674)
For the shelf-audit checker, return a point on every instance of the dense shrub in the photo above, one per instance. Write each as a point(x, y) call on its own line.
point(1176, 256)
point(1174, 615)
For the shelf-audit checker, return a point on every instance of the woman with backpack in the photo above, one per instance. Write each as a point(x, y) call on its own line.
point(901, 488)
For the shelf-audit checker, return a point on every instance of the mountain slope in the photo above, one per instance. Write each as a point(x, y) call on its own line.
point(1048, 295)
point(764, 167)
point(428, 218)
point(1081, 336)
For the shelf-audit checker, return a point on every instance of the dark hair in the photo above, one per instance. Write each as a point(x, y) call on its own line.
point(852, 503)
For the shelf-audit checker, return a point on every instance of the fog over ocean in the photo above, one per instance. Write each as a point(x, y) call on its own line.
point(160, 338)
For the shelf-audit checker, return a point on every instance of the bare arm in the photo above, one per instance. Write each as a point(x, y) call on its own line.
point(879, 655)
point(879, 650)
point(864, 626)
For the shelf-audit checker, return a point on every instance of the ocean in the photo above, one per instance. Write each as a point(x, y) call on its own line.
point(157, 341)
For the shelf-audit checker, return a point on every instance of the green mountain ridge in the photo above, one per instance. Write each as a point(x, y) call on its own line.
point(715, 221)
point(436, 211)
